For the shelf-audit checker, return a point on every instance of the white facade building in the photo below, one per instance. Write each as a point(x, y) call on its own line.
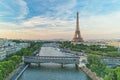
point(2, 54)
point(8, 47)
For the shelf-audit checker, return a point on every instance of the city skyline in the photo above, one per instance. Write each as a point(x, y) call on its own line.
point(53, 19)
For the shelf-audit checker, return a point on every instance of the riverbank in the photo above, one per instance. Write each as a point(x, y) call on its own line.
point(17, 72)
point(91, 74)
point(73, 52)
point(13, 72)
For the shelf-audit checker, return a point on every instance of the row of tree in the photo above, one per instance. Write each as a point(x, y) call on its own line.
point(13, 61)
point(113, 74)
point(101, 70)
point(95, 64)
point(9, 65)
point(91, 49)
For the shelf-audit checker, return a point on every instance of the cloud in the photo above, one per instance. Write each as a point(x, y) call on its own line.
point(62, 9)
point(97, 7)
point(101, 26)
point(56, 19)
point(13, 10)
point(66, 8)
point(8, 26)
point(49, 23)
point(24, 9)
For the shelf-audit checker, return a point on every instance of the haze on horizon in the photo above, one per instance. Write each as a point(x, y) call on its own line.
point(55, 19)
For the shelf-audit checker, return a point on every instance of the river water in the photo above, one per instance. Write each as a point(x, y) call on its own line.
point(51, 71)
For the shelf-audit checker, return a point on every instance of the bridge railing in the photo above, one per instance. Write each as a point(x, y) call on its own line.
point(54, 59)
point(51, 57)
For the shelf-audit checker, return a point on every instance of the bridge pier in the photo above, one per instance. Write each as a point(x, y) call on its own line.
point(62, 65)
point(27, 63)
point(38, 64)
point(76, 66)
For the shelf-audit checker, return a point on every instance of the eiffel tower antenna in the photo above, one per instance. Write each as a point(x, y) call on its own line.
point(77, 37)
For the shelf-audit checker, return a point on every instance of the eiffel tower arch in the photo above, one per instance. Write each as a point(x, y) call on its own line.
point(77, 37)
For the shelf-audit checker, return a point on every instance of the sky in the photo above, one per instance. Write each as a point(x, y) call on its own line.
point(56, 19)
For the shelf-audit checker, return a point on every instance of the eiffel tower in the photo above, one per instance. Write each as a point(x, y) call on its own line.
point(77, 37)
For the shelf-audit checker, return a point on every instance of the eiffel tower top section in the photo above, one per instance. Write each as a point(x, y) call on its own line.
point(77, 22)
point(77, 37)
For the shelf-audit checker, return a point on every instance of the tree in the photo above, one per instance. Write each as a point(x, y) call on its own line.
point(96, 65)
point(9, 64)
point(1, 76)
point(16, 59)
point(93, 59)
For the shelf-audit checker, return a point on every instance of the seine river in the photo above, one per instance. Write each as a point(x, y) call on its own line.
point(51, 71)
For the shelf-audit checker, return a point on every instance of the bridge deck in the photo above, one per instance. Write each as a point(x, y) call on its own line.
point(51, 59)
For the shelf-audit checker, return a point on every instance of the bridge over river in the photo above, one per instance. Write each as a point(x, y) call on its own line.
point(52, 59)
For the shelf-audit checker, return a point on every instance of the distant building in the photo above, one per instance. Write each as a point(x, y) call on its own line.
point(103, 46)
point(113, 43)
point(89, 43)
point(10, 50)
point(24, 45)
point(2, 41)
point(2, 54)
point(7, 47)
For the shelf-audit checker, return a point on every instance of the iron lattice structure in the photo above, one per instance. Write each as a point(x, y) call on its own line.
point(77, 37)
